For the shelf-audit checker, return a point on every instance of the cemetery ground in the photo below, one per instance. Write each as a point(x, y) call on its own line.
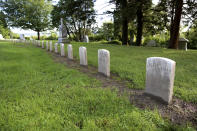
point(39, 93)
point(129, 63)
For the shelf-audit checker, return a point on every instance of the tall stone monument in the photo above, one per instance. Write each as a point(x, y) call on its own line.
point(62, 33)
point(86, 39)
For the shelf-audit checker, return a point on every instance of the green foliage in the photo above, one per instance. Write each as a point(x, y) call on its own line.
point(161, 39)
point(116, 42)
point(38, 94)
point(53, 36)
point(96, 37)
point(15, 36)
point(5, 32)
point(78, 16)
point(106, 31)
point(28, 14)
point(3, 26)
point(191, 35)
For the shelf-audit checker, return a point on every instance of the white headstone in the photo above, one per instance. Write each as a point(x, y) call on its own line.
point(56, 47)
point(86, 39)
point(160, 73)
point(62, 50)
point(151, 43)
point(83, 56)
point(70, 51)
point(51, 46)
point(47, 45)
point(1, 37)
point(42, 44)
point(104, 62)
point(22, 37)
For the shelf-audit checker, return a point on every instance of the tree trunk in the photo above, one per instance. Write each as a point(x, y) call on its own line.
point(124, 23)
point(176, 25)
point(139, 26)
point(172, 23)
point(38, 32)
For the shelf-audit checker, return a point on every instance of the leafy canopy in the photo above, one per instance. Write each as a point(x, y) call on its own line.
point(28, 14)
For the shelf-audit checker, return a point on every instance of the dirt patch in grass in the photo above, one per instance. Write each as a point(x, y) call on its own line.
point(178, 112)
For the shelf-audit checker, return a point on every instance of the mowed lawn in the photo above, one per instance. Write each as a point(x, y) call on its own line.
point(38, 94)
point(130, 64)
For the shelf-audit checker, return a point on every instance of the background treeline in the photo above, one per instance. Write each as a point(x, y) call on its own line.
point(135, 22)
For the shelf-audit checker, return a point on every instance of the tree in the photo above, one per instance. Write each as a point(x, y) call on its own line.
point(106, 31)
point(176, 25)
point(4, 30)
point(28, 14)
point(79, 16)
point(142, 7)
point(177, 10)
point(123, 14)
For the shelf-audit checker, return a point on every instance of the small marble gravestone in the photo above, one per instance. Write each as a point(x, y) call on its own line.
point(51, 46)
point(70, 51)
point(104, 62)
point(83, 56)
point(22, 37)
point(152, 43)
point(160, 73)
point(42, 44)
point(62, 50)
point(56, 47)
point(47, 45)
point(86, 39)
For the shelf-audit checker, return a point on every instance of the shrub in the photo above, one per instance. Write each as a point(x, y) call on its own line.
point(96, 38)
point(161, 40)
point(192, 37)
point(116, 42)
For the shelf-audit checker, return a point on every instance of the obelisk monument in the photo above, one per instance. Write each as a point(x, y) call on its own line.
point(62, 33)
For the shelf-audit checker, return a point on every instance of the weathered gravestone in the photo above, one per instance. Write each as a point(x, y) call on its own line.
point(86, 39)
point(56, 47)
point(62, 49)
point(42, 44)
point(160, 73)
point(62, 33)
point(51, 46)
point(70, 52)
point(47, 46)
point(104, 62)
point(83, 56)
point(151, 43)
point(183, 44)
point(22, 37)
point(1, 37)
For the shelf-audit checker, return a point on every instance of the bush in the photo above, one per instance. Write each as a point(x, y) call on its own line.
point(192, 37)
point(96, 38)
point(116, 42)
point(161, 40)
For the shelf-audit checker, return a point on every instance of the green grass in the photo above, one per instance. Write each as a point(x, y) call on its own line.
point(130, 64)
point(38, 94)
